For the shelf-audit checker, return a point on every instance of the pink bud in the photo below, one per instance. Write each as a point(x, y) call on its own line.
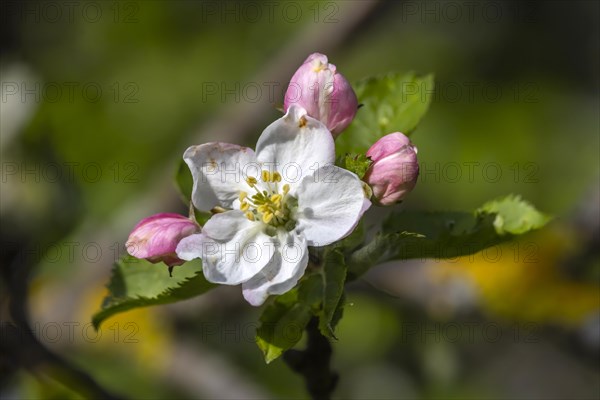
point(395, 169)
point(155, 238)
point(323, 92)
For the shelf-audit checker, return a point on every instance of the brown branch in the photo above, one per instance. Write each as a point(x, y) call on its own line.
point(313, 363)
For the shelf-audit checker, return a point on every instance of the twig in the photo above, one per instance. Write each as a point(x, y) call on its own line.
point(313, 363)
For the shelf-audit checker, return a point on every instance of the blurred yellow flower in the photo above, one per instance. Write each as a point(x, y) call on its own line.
point(522, 280)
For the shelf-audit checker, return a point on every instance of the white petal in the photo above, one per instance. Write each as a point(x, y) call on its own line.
point(282, 273)
point(222, 227)
point(295, 145)
point(190, 247)
point(238, 259)
point(242, 253)
point(330, 204)
point(219, 171)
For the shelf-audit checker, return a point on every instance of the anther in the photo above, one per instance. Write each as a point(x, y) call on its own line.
point(266, 176)
point(302, 122)
point(251, 181)
point(267, 217)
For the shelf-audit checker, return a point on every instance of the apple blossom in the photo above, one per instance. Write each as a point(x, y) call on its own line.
point(323, 92)
point(279, 200)
point(395, 169)
point(155, 238)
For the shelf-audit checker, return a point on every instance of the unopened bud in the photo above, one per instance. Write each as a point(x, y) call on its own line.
point(323, 92)
point(155, 238)
point(395, 169)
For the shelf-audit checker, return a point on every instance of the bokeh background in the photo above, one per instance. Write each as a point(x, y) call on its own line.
point(100, 99)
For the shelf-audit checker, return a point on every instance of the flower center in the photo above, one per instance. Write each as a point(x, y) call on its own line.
point(270, 206)
point(319, 66)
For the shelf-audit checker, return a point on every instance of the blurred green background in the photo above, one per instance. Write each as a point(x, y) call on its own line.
point(100, 99)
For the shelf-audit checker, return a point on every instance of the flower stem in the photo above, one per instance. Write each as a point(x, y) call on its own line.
point(313, 363)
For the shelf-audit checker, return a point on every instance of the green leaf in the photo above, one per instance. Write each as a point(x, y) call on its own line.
point(390, 103)
point(334, 277)
point(514, 216)
point(447, 235)
point(357, 163)
point(284, 320)
point(339, 310)
point(184, 181)
point(320, 293)
point(139, 283)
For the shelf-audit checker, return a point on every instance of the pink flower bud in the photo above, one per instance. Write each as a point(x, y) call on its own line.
point(395, 169)
point(155, 238)
point(323, 92)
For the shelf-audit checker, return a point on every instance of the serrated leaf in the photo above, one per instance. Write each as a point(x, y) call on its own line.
point(514, 215)
point(281, 328)
point(334, 277)
point(139, 283)
point(284, 320)
point(447, 235)
point(318, 294)
point(310, 291)
point(394, 102)
point(357, 163)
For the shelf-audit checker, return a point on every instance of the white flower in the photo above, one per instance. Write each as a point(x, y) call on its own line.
point(280, 200)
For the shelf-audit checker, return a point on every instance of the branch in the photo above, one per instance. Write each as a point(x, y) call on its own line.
point(313, 363)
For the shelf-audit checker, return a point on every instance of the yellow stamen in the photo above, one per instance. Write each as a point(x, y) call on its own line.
point(319, 67)
point(270, 202)
point(267, 217)
point(266, 175)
